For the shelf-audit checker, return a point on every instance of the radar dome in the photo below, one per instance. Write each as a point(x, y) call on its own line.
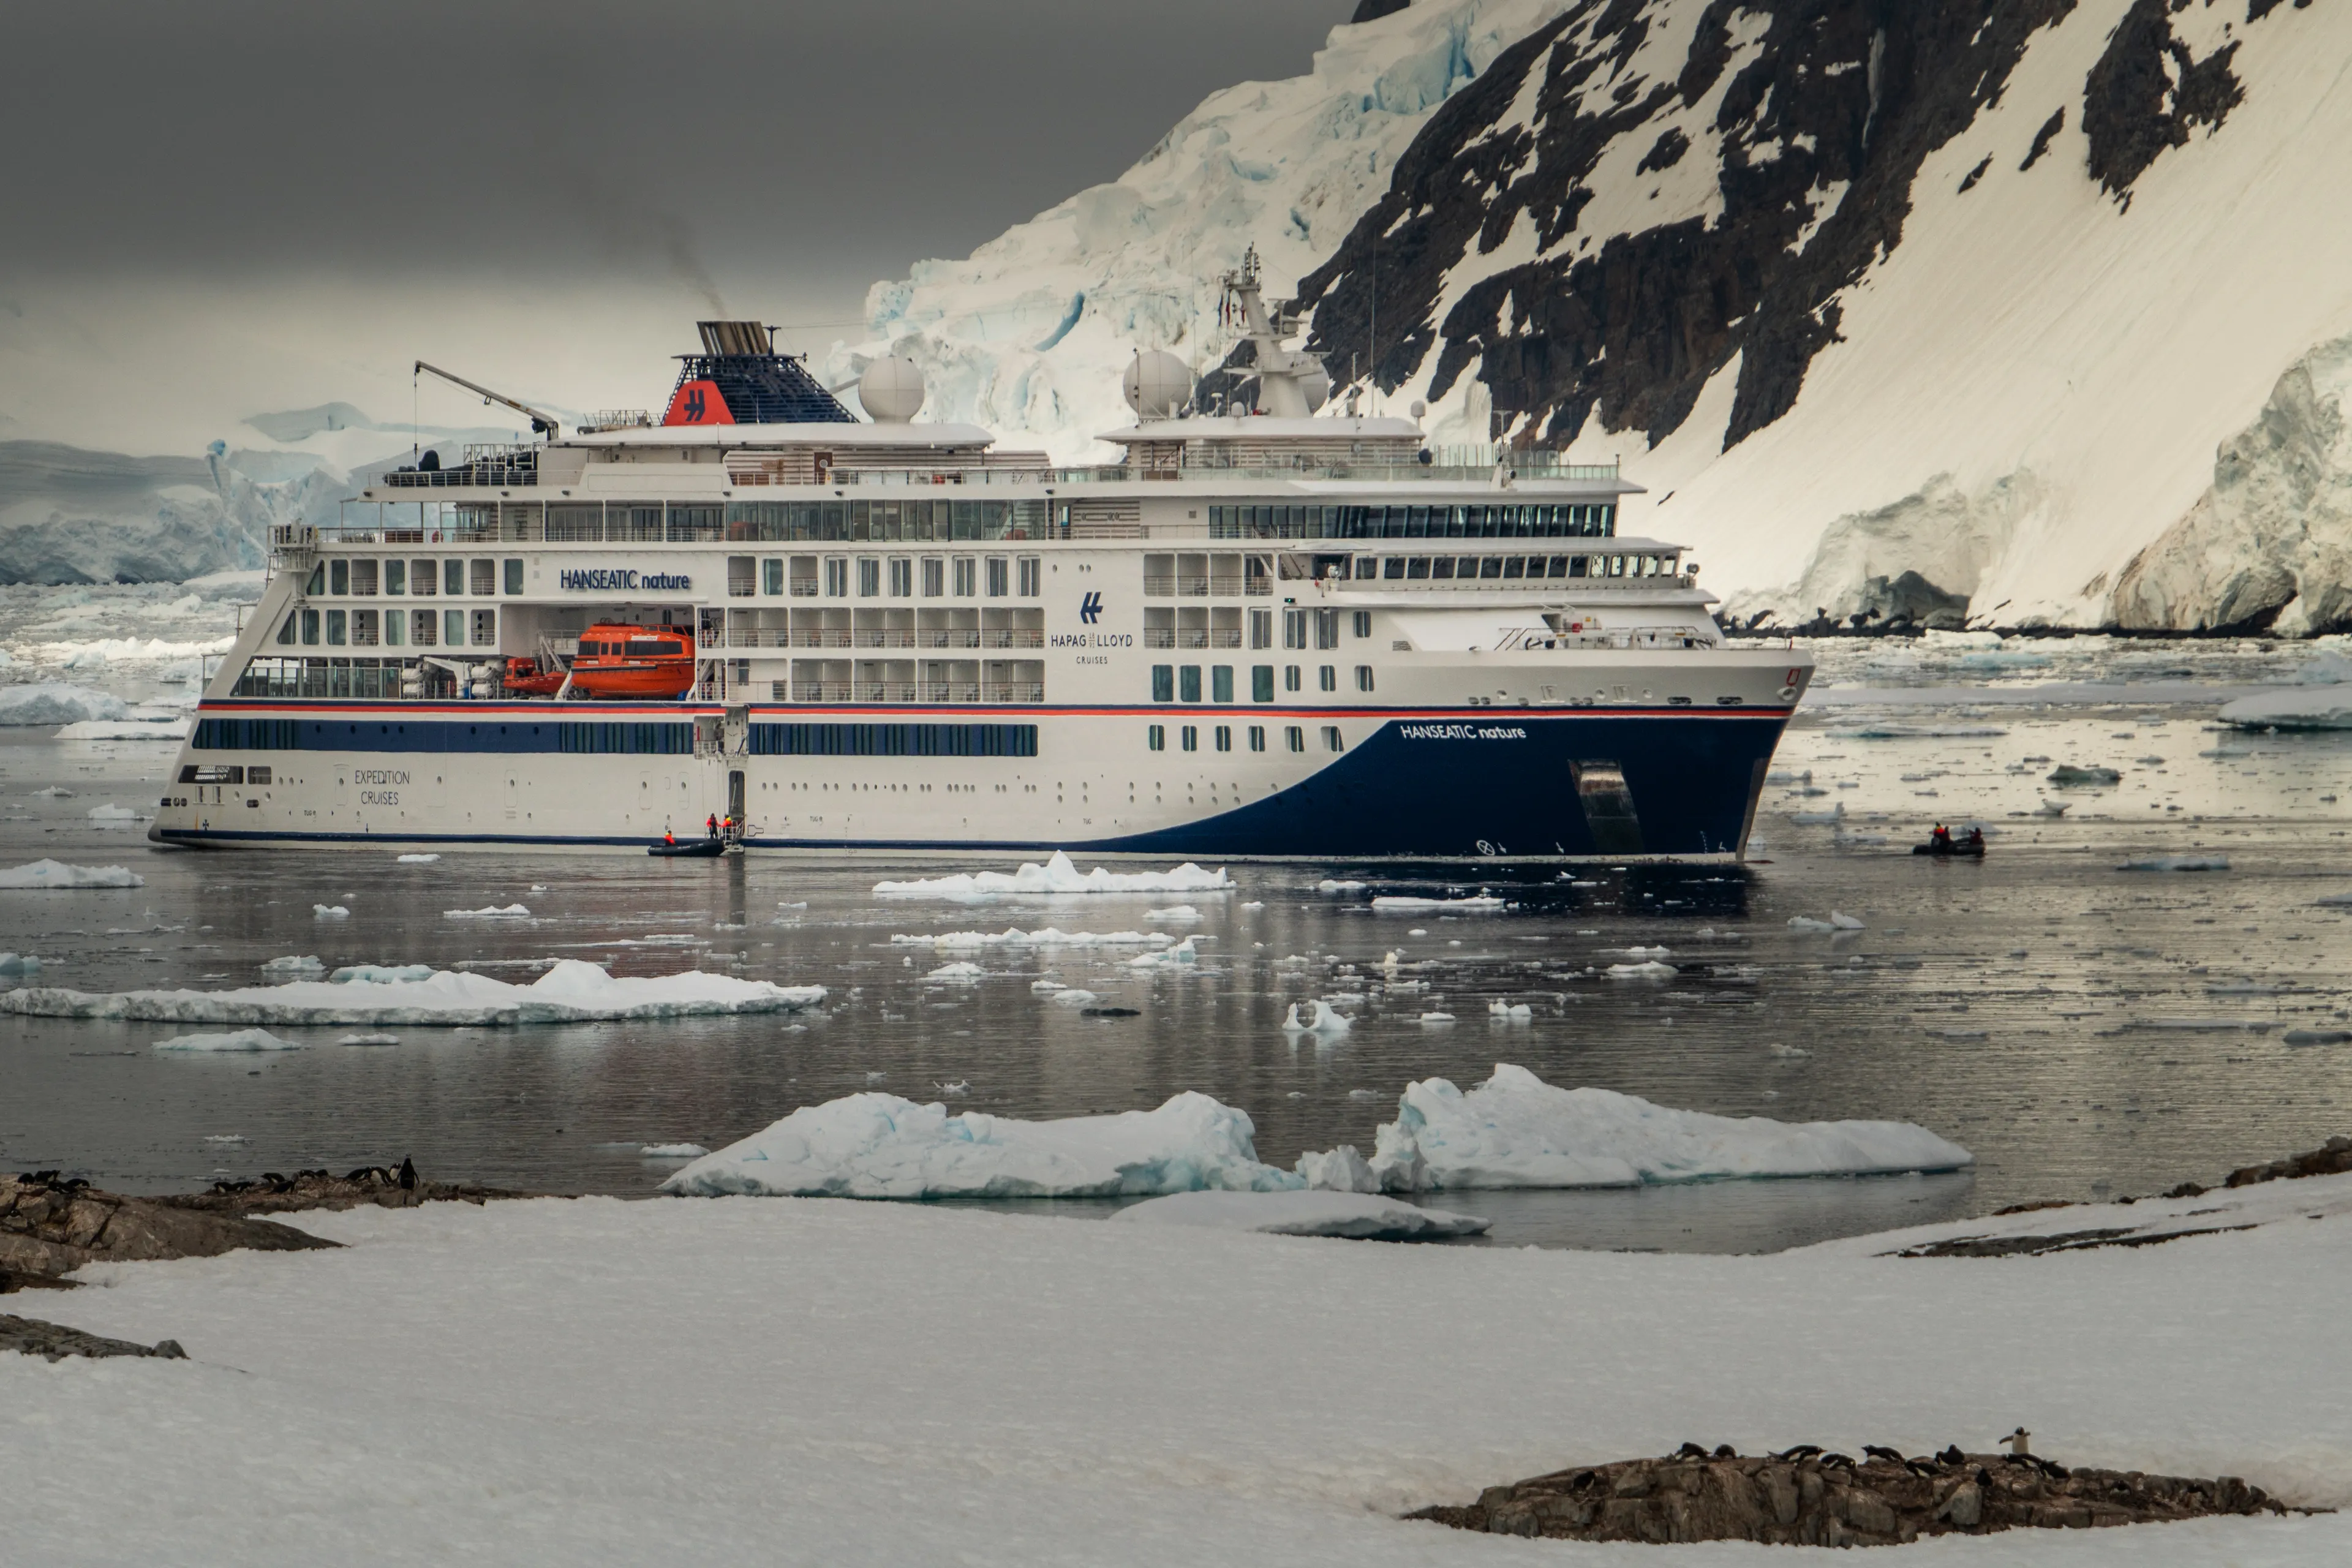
point(1156, 384)
point(891, 390)
point(1316, 387)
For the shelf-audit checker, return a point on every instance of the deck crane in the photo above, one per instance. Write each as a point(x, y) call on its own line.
point(541, 424)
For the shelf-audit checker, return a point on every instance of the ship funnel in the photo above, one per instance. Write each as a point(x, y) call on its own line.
point(737, 338)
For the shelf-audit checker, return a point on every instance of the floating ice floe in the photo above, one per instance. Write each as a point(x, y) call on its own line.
point(370, 1039)
point(330, 912)
point(1059, 875)
point(54, 876)
point(1835, 814)
point(1436, 1018)
point(571, 991)
point(2066, 775)
point(2178, 863)
point(1512, 1012)
point(1330, 885)
point(960, 973)
point(1318, 1018)
point(1175, 957)
point(875, 1146)
point(2296, 708)
point(1179, 912)
point(1073, 997)
point(1875, 732)
point(124, 730)
point(1517, 1130)
point(110, 812)
point(57, 702)
point(2333, 900)
point(414, 860)
point(1836, 922)
point(673, 1151)
point(493, 913)
point(240, 1040)
point(1479, 903)
point(1348, 1216)
point(1649, 970)
point(2316, 1037)
point(1049, 937)
point(294, 964)
point(18, 964)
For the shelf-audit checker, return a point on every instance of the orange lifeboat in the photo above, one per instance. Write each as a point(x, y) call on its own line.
point(617, 659)
point(525, 679)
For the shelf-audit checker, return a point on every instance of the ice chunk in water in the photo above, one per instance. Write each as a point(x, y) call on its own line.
point(1058, 876)
point(240, 1040)
point(1351, 1215)
point(1341, 1169)
point(493, 913)
point(43, 876)
point(330, 912)
point(1517, 1130)
point(878, 1145)
point(1317, 1019)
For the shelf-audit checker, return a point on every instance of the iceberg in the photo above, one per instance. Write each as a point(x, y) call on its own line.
point(330, 911)
point(1355, 1216)
point(1317, 1020)
point(672, 1151)
point(241, 1040)
point(2296, 708)
point(57, 702)
point(492, 912)
point(877, 1145)
point(956, 975)
point(573, 991)
point(414, 860)
point(369, 1040)
point(54, 876)
point(1058, 876)
point(383, 974)
point(1473, 905)
point(1341, 1169)
point(1517, 1130)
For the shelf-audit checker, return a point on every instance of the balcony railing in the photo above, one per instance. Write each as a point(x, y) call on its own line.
point(885, 636)
point(948, 637)
point(948, 692)
point(1159, 636)
point(819, 637)
point(1013, 692)
point(1013, 637)
point(885, 691)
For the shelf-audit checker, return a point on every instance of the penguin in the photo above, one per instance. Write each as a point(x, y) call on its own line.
point(1952, 1455)
point(1799, 1454)
point(1837, 1459)
point(1688, 1451)
point(1875, 1452)
point(407, 1174)
point(1725, 1451)
point(2020, 1441)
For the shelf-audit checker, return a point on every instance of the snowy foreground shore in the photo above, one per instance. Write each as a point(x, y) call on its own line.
point(809, 1381)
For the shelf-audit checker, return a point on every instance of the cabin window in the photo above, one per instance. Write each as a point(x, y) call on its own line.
point(1164, 683)
point(1224, 737)
point(999, 576)
point(1327, 628)
point(935, 577)
point(285, 633)
point(1031, 576)
point(1156, 737)
point(1294, 628)
point(1327, 678)
point(836, 576)
point(1364, 678)
point(1261, 683)
point(310, 628)
point(485, 628)
point(363, 625)
point(453, 579)
point(967, 572)
point(1190, 736)
point(395, 578)
point(453, 628)
point(318, 584)
point(339, 577)
point(1294, 738)
point(513, 569)
point(1188, 683)
point(1257, 737)
point(869, 577)
point(1332, 738)
point(396, 622)
point(902, 577)
point(772, 576)
point(338, 622)
point(1261, 628)
point(1290, 680)
point(421, 625)
point(1363, 623)
point(1221, 683)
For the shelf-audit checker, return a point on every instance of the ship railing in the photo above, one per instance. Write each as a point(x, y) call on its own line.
point(1013, 692)
point(1192, 636)
point(805, 636)
point(1199, 467)
point(1159, 636)
point(948, 637)
point(885, 638)
point(1013, 637)
point(820, 690)
point(885, 691)
point(804, 587)
point(1225, 636)
point(948, 692)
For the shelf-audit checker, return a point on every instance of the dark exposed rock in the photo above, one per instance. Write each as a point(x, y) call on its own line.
point(392, 1188)
point(31, 1336)
point(2331, 1159)
point(1841, 95)
point(2043, 138)
point(2145, 93)
point(1969, 181)
point(51, 1226)
point(1373, 10)
point(1804, 1497)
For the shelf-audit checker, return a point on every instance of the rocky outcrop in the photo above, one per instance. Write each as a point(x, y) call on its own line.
point(2147, 92)
point(31, 1336)
point(1808, 1498)
point(52, 1226)
point(380, 1186)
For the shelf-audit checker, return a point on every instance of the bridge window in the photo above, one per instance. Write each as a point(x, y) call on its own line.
point(1417, 567)
point(339, 577)
point(453, 579)
point(310, 626)
point(1443, 567)
point(337, 623)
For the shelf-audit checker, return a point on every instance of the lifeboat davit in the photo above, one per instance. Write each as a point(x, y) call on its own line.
point(617, 659)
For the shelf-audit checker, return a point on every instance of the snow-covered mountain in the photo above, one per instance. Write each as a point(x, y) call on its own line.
point(2039, 309)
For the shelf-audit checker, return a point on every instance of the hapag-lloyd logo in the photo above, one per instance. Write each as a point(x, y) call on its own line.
point(1463, 732)
point(620, 579)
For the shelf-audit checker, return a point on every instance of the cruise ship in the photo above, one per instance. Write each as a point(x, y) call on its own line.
point(1279, 626)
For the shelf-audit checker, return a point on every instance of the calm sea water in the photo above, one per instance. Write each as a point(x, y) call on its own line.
point(2082, 1027)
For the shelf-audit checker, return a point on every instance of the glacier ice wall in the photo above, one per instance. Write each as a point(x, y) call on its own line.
point(1029, 333)
point(2269, 542)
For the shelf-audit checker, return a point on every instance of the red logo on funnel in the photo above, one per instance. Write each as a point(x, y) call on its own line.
point(699, 402)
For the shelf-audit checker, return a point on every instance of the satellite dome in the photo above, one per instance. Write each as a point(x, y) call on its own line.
point(1156, 384)
point(891, 390)
point(1316, 387)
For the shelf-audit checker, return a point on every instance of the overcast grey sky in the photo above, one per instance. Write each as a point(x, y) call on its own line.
point(273, 167)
